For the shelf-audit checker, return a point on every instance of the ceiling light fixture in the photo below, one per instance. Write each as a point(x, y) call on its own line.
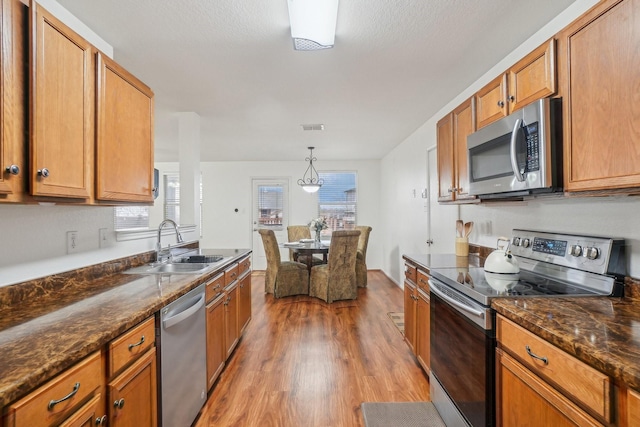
point(313, 23)
point(312, 182)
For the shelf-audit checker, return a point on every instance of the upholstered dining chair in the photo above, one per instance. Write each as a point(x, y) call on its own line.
point(282, 278)
point(361, 255)
point(336, 280)
point(294, 234)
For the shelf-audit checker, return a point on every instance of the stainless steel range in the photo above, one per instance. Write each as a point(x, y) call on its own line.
point(462, 321)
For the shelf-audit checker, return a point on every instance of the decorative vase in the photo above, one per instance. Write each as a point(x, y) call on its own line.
point(317, 236)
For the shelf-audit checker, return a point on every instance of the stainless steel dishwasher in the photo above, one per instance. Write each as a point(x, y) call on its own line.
point(183, 363)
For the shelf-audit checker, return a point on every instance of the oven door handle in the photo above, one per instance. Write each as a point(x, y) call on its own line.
point(514, 159)
point(461, 306)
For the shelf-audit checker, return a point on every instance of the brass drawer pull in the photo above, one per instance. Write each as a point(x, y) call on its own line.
point(131, 346)
point(535, 356)
point(53, 403)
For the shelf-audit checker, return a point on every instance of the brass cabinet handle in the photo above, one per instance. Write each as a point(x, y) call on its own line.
point(53, 403)
point(131, 346)
point(535, 356)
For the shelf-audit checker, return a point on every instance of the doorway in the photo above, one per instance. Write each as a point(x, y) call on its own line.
point(270, 209)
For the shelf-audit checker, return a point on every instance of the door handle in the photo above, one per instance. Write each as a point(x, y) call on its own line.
point(183, 315)
point(514, 160)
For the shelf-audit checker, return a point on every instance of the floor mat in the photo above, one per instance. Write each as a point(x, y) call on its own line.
point(398, 320)
point(400, 414)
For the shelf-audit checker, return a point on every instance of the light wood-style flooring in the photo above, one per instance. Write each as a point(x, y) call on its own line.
point(302, 362)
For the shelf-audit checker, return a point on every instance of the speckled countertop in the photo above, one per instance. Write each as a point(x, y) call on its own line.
point(49, 327)
point(603, 332)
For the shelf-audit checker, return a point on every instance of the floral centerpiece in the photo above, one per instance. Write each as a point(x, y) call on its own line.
point(318, 225)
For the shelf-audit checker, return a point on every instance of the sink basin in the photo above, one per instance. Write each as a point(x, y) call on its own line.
point(170, 268)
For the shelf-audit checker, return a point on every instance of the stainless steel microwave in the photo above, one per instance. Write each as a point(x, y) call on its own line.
point(520, 154)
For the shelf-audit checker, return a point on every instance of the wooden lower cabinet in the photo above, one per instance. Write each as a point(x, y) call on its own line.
point(232, 333)
point(410, 310)
point(90, 415)
point(216, 351)
point(244, 303)
point(525, 399)
point(423, 332)
point(132, 395)
point(632, 410)
point(61, 400)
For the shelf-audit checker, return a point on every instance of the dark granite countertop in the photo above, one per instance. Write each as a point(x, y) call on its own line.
point(603, 332)
point(52, 328)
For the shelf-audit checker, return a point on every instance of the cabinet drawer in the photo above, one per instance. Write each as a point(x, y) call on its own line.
point(410, 272)
point(131, 345)
point(214, 287)
point(244, 265)
point(54, 401)
point(423, 281)
point(582, 383)
point(231, 274)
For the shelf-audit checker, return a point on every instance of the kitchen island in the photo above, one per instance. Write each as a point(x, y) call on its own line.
point(50, 324)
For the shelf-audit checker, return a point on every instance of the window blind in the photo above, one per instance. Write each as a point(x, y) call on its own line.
point(338, 200)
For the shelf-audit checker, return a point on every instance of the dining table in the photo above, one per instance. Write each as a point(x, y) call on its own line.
point(309, 249)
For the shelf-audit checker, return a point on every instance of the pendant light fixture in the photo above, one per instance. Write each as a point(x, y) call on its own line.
point(311, 181)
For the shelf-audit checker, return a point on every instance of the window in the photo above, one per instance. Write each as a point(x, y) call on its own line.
point(338, 200)
point(172, 197)
point(270, 205)
point(131, 217)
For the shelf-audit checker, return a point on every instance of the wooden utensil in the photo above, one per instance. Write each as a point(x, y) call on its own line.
point(459, 228)
point(468, 227)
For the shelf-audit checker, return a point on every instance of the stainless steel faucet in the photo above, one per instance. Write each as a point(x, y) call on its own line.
point(160, 255)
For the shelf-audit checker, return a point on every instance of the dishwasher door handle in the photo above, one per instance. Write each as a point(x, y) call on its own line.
point(183, 315)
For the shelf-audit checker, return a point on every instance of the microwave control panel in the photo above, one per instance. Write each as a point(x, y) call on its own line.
point(533, 147)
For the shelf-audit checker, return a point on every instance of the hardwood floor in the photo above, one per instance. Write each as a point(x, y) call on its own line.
point(302, 362)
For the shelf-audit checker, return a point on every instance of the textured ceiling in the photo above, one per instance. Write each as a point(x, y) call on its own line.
point(395, 63)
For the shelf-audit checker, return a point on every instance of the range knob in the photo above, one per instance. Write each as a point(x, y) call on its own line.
point(526, 243)
point(591, 253)
point(575, 250)
point(515, 241)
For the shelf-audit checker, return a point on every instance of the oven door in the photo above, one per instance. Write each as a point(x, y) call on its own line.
point(462, 357)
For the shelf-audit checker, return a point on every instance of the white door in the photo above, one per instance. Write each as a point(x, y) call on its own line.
point(270, 210)
point(440, 225)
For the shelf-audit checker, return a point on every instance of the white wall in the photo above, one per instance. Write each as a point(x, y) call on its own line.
point(227, 186)
point(405, 168)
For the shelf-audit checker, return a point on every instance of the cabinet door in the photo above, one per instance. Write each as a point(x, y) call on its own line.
point(633, 408)
point(124, 139)
point(524, 399)
point(231, 319)
point(410, 315)
point(463, 125)
point(133, 396)
point(90, 415)
point(244, 303)
point(62, 113)
point(216, 352)
point(601, 132)
point(533, 77)
point(423, 328)
point(13, 109)
point(491, 101)
point(446, 174)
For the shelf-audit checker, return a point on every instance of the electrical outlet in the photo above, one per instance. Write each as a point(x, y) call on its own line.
point(72, 242)
point(103, 238)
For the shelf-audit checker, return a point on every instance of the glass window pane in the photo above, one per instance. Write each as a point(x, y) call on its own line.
point(338, 199)
point(270, 205)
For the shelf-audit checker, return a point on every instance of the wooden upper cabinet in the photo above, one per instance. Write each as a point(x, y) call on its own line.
point(600, 71)
point(453, 171)
point(490, 101)
point(463, 126)
point(531, 78)
point(13, 89)
point(446, 177)
point(61, 114)
point(124, 140)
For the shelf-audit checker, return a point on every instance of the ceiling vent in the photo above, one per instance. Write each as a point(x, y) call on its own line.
point(313, 127)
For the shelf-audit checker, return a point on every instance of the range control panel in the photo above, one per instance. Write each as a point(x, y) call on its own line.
point(594, 254)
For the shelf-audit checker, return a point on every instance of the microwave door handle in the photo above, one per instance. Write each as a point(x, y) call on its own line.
point(514, 160)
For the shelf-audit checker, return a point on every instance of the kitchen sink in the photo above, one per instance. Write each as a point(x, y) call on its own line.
point(170, 268)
